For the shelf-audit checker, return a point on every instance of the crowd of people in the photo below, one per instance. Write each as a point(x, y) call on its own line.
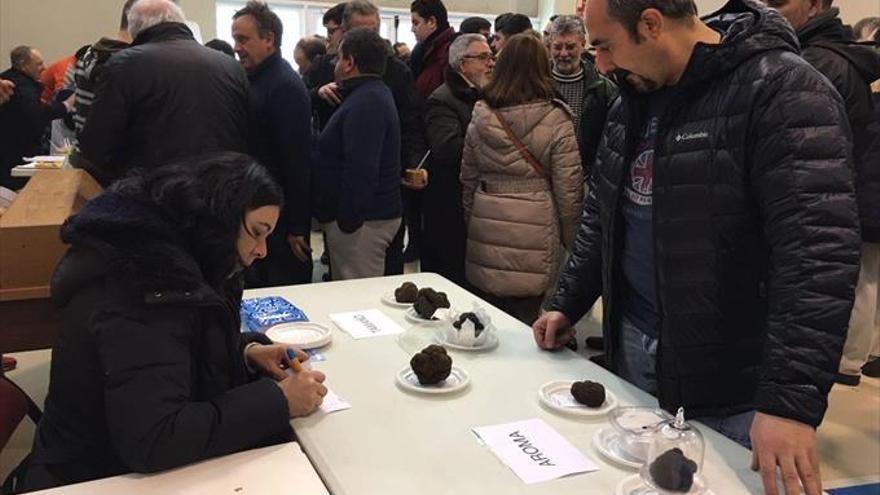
point(740, 284)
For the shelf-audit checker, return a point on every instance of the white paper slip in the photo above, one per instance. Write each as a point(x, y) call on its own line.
point(565, 400)
point(333, 403)
point(366, 323)
point(534, 450)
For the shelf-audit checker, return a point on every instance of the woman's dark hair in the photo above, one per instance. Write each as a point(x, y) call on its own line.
point(431, 8)
point(206, 199)
point(510, 85)
point(312, 47)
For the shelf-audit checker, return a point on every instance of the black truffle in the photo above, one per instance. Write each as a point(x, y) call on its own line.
point(590, 394)
point(478, 325)
point(432, 365)
point(673, 471)
point(428, 300)
point(406, 293)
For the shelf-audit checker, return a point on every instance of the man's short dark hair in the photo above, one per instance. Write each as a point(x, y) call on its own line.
point(367, 48)
point(501, 19)
point(514, 24)
point(123, 23)
point(628, 12)
point(19, 56)
point(869, 24)
point(266, 20)
point(431, 8)
point(473, 25)
point(221, 46)
point(334, 14)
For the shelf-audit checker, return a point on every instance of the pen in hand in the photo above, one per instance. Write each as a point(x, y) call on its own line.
point(295, 365)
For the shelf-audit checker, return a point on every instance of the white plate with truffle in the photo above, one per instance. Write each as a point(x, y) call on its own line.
point(635, 485)
point(389, 299)
point(491, 342)
point(413, 317)
point(304, 335)
point(457, 380)
point(556, 396)
point(608, 442)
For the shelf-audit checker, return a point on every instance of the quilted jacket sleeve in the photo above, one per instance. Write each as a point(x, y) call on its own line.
point(566, 175)
point(581, 281)
point(801, 179)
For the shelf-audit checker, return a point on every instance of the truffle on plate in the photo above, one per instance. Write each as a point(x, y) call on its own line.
point(478, 325)
point(590, 394)
point(428, 301)
point(673, 471)
point(406, 293)
point(432, 365)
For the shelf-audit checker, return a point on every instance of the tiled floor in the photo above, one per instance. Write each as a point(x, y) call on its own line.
point(849, 439)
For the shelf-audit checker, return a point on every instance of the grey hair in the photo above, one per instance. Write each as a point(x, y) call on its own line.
point(357, 7)
point(458, 48)
point(568, 24)
point(145, 14)
point(19, 56)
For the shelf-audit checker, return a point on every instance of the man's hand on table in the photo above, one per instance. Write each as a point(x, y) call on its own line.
point(791, 445)
point(552, 330)
point(271, 359)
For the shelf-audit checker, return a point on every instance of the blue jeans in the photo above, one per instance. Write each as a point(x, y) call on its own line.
point(637, 365)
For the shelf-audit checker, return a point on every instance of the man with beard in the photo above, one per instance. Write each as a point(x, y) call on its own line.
point(720, 227)
point(449, 110)
point(588, 94)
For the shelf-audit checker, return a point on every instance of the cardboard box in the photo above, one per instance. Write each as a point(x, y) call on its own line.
point(30, 242)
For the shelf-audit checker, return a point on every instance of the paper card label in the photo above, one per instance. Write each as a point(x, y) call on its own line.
point(563, 398)
point(366, 323)
point(534, 451)
point(333, 403)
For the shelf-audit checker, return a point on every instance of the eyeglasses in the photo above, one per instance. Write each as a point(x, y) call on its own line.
point(483, 57)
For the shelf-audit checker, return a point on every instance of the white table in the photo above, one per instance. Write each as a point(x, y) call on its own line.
point(271, 470)
point(394, 442)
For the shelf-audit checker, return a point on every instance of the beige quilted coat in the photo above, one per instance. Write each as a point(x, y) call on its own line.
point(518, 221)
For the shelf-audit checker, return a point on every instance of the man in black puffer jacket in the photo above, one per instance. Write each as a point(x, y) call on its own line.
point(165, 98)
point(727, 287)
point(851, 67)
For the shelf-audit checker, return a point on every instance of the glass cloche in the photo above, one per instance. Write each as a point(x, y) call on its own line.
point(675, 458)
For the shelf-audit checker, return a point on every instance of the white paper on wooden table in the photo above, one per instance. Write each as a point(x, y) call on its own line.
point(534, 450)
point(366, 323)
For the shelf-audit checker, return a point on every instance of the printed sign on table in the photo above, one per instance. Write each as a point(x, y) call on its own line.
point(366, 323)
point(534, 451)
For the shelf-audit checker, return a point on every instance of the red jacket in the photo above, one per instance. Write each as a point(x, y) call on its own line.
point(432, 75)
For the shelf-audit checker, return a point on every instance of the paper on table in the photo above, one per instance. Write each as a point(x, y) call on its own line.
point(534, 450)
point(563, 398)
point(333, 403)
point(366, 323)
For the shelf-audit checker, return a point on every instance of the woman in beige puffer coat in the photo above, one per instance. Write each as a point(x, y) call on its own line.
point(522, 182)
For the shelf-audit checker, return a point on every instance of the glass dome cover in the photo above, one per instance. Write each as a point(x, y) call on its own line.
point(675, 458)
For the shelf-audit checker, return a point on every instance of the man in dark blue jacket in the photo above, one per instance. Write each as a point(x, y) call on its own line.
point(721, 227)
point(280, 140)
point(357, 191)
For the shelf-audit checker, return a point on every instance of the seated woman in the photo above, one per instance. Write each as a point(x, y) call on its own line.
point(151, 371)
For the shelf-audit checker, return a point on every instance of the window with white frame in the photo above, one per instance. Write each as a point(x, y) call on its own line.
point(301, 19)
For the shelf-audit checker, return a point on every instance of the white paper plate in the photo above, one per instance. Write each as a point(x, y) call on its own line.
point(457, 380)
point(411, 316)
point(490, 343)
point(304, 335)
point(556, 393)
point(634, 485)
point(607, 442)
point(388, 298)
